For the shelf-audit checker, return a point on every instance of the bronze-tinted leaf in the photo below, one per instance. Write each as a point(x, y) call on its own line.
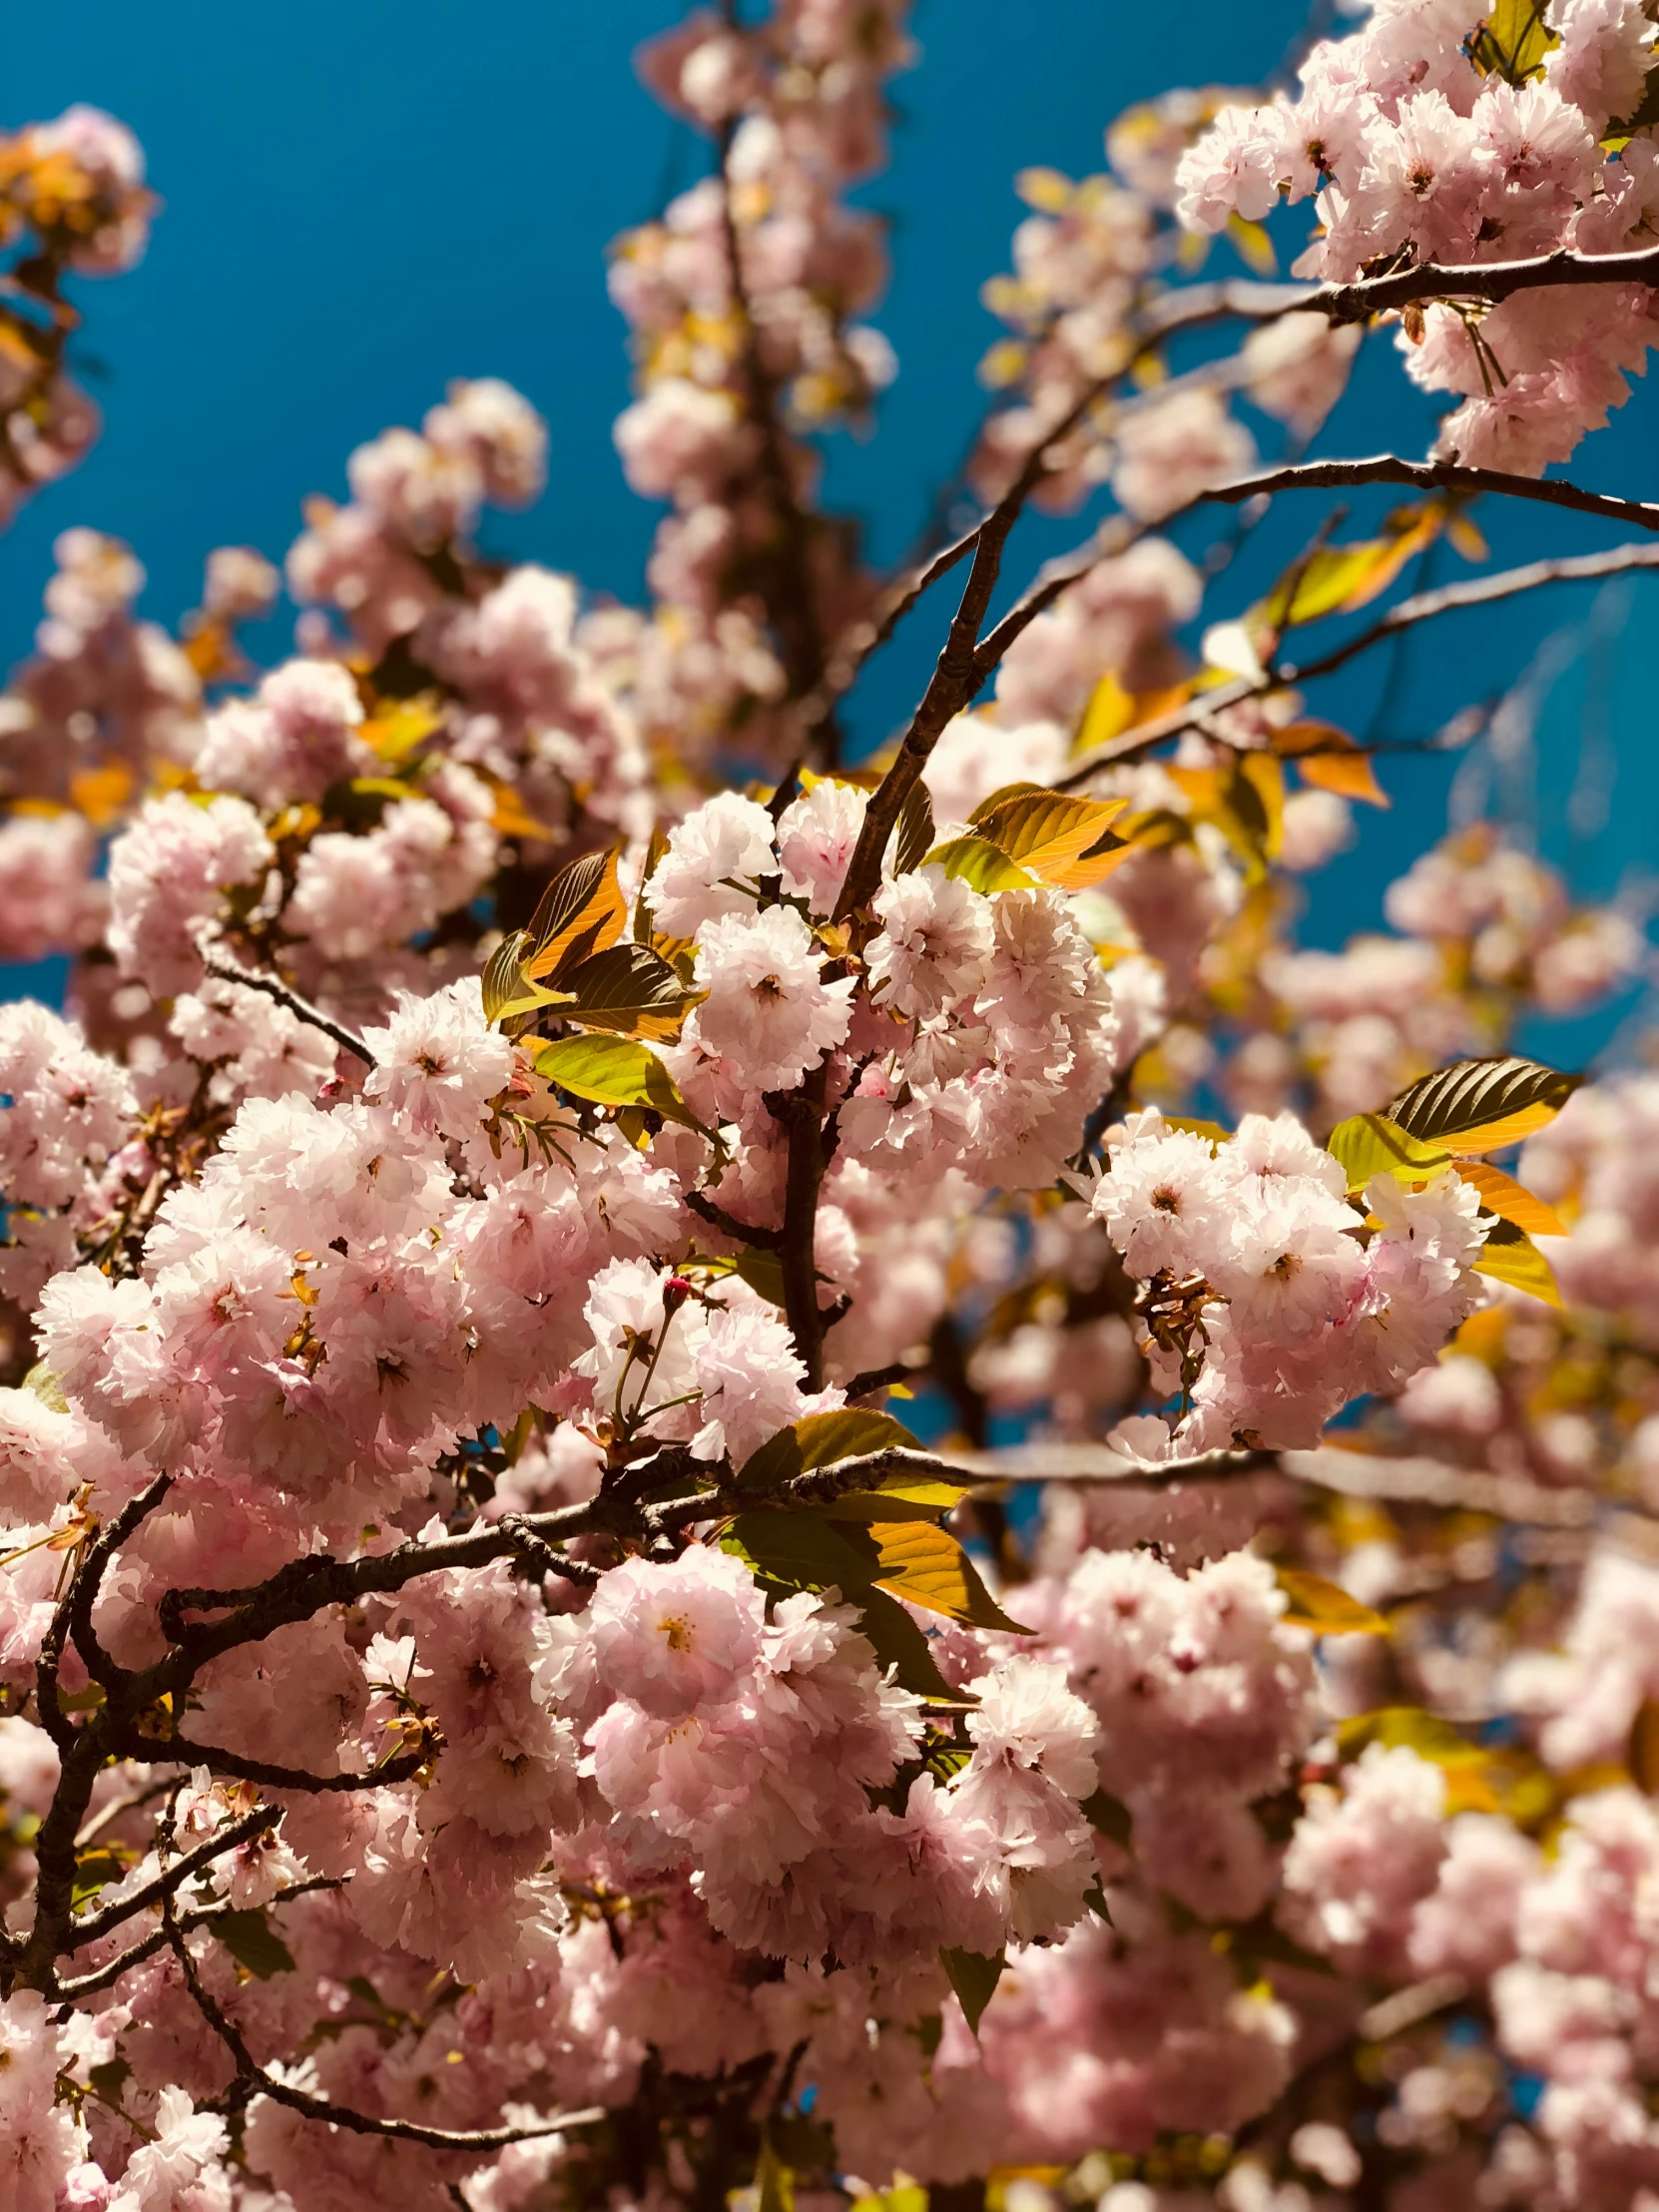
point(581, 912)
point(1482, 1105)
point(629, 988)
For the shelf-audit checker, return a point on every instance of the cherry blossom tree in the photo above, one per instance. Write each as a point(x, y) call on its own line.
point(502, 1707)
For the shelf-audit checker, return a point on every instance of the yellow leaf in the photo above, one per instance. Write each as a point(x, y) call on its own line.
point(1111, 711)
point(1048, 189)
point(1329, 759)
point(1509, 1256)
point(1062, 840)
point(1500, 1194)
point(1642, 1756)
point(1255, 247)
point(102, 793)
point(512, 818)
point(924, 1564)
point(399, 725)
point(1321, 1605)
point(1482, 1105)
point(982, 866)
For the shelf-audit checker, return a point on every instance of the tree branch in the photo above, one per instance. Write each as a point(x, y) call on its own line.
point(1481, 591)
point(274, 987)
point(170, 1878)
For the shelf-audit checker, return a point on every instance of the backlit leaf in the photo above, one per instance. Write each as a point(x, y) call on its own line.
point(1196, 1126)
point(1482, 1105)
point(1253, 244)
point(1329, 759)
point(398, 725)
point(1110, 712)
point(614, 1071)
point(1321, 1605)
point(974, 1978)
point(924, 1564)
point(1065, 842)
point(982, 866)
point(628, 987)
point(800, 1552)
point(820, 1441)
point(1509, 1256)
point(900, 1497)
point(1370, 1144)
point(1513, 41)
point(581, 912)
point(774, 2182)
point(1501, 1195)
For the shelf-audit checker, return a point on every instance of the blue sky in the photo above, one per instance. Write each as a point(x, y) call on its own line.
point(363, 200)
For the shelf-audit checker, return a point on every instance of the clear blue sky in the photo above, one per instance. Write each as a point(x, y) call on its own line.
point(363, 200)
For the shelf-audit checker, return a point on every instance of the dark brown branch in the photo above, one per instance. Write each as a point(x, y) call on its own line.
point(106, 1976)
point(274, 987)
point(272, 1776)
point(1381, 468)
point(1480, 591)
point(252, 2080)
point(746, 1232)
point(540, 1553)
point(182, 1870)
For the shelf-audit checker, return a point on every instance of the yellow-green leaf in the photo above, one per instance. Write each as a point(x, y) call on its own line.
point(398, 725)
point(900, 1497)
point(1321, 1605)
point(982, 866)
point(1370, 1144)
point(773, 2183)
point(1501, 1195)
point(614, 1071)
point(1194, 1125)
point(1065, 842)
point(505, 986)
point(251, 1940)
point(1512, 41)
point(1509, 1256)
point(1482, 1105)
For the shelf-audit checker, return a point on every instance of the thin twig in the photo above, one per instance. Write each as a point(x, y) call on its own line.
point(347, 1039)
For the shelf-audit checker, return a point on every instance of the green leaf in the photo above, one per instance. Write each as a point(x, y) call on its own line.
point(915, 828)
point(1108, 1817)
point(1482, 1105)
point(253, 1941)
point(1513, 41)
point(982, 865)
point(901, 1644)
point(974, 1978)
point(1509, 1256)
point(1061, 840)
point(1318, 1604)
point(763, 1272)
point(819, 1441)
point(799, 1550)
point(581, 912)
point(1370, 1144)
point(630, 988)
point(915, 1560)
point(614, 1071)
